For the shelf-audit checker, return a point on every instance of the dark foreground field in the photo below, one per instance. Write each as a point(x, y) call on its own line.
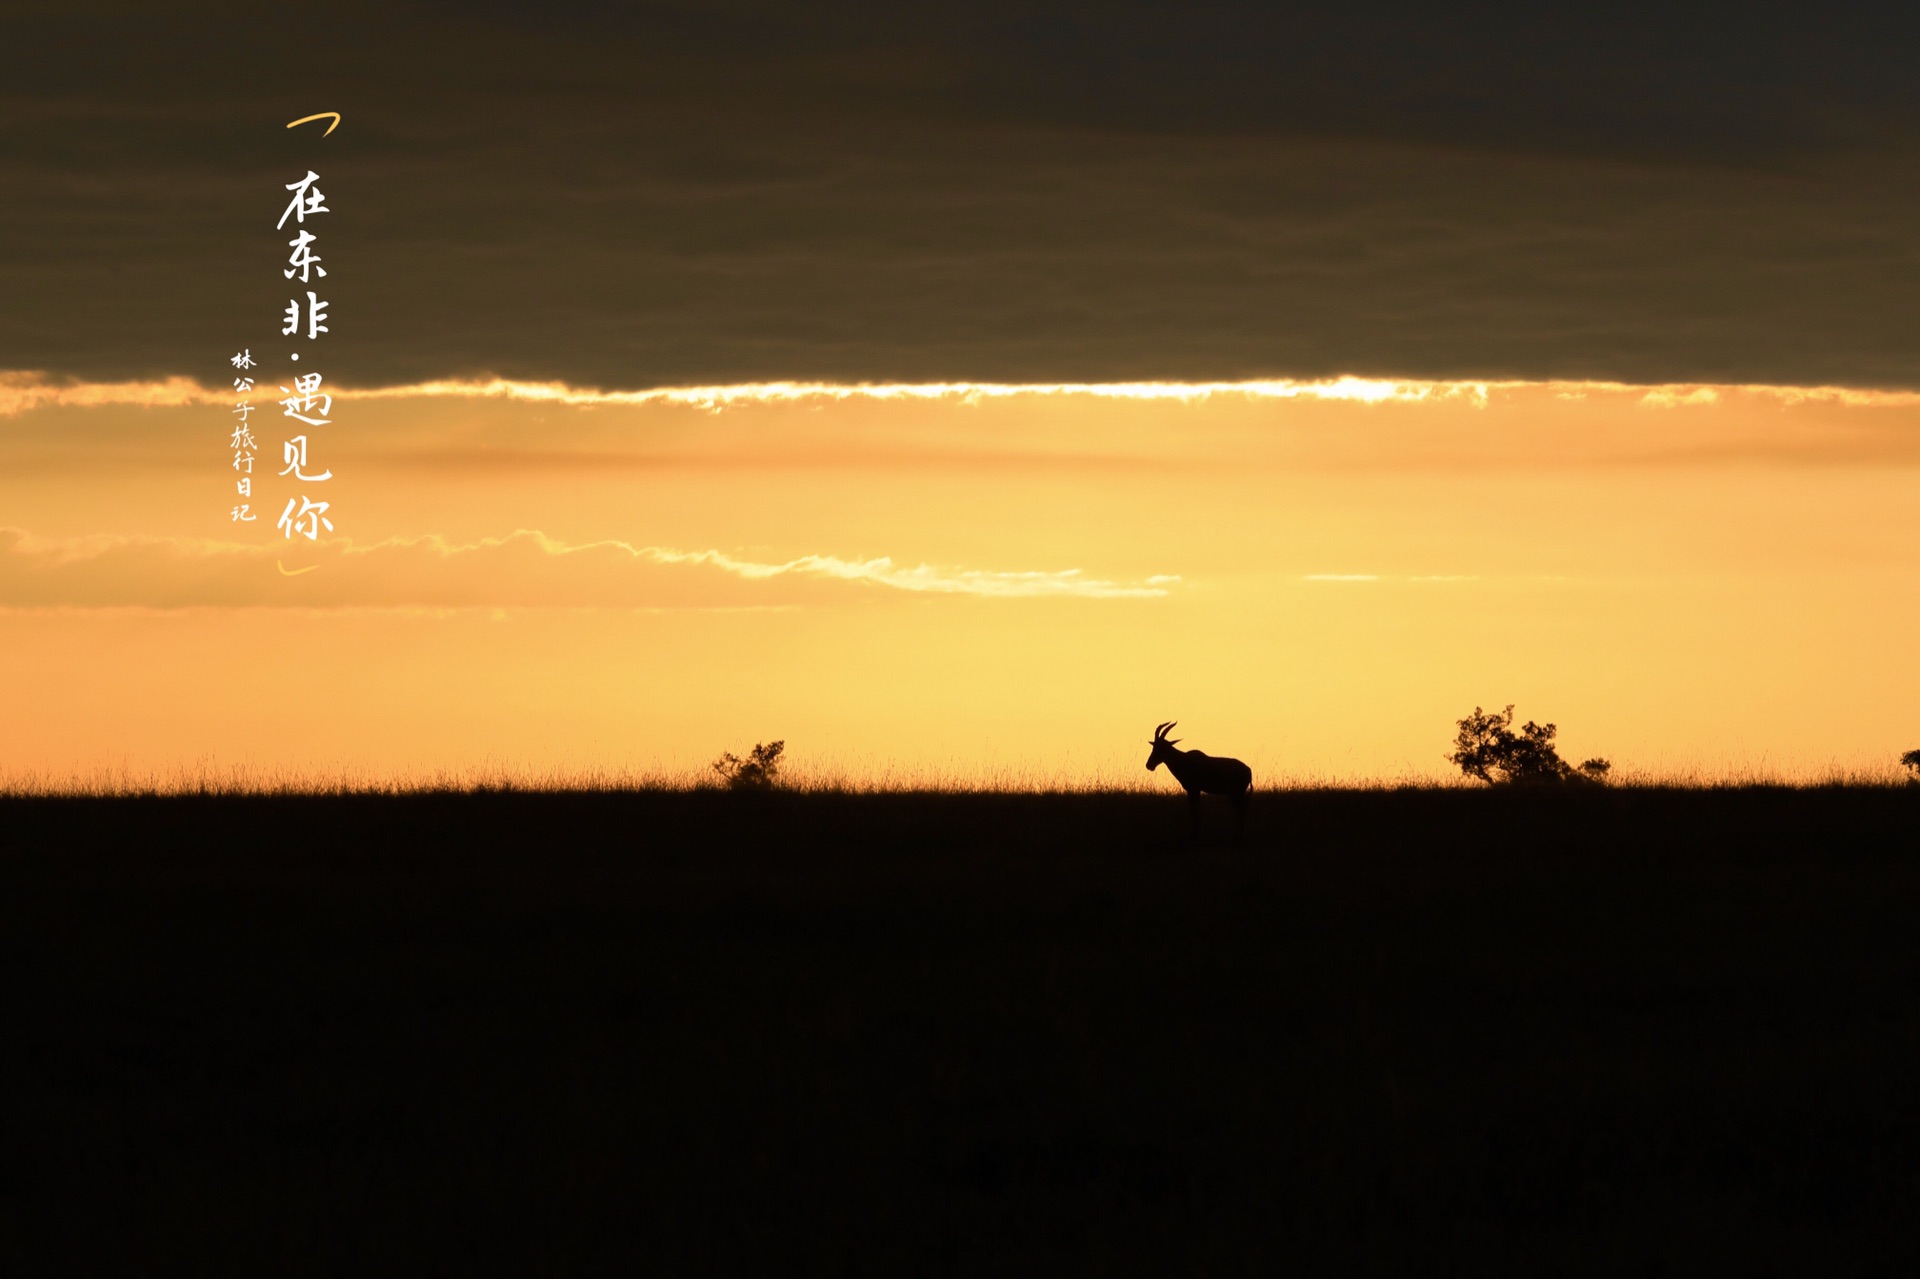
point(1617, 1032)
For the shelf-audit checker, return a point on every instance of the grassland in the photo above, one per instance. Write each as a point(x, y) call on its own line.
point(1631, 1029)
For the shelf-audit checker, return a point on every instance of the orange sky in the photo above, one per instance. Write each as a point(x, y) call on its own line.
point(974, 584)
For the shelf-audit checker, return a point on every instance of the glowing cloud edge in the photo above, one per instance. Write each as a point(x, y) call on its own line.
point(21, 391)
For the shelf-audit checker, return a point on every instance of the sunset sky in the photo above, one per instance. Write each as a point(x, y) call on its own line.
point(959, 395)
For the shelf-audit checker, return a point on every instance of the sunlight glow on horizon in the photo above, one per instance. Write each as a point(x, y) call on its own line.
point(957, 579)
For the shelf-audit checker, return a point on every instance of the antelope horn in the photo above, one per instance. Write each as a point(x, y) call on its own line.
point(1160, 733)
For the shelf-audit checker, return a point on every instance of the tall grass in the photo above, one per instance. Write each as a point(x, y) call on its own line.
point(206, 778)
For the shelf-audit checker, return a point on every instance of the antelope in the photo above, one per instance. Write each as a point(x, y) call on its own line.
point(1200, 773)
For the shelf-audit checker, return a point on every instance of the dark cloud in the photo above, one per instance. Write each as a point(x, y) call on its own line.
point(631, 195)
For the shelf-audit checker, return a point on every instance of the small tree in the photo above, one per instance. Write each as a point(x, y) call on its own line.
point(759, 771)
point(1912, 762)
point(1488, 749)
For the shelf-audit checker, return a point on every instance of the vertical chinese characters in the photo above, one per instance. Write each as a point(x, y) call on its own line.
point(305, 320)
point(241, 441)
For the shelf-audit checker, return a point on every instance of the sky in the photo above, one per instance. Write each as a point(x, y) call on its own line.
point(959, 391)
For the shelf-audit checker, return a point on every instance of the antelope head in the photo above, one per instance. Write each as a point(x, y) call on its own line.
point(1163, 751)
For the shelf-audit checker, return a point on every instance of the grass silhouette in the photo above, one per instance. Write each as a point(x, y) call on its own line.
point(870, 778)
point(481, 1027)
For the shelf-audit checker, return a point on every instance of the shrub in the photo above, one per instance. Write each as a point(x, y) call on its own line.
point(759, 771)
point(1912, 761)
point(1488, 749)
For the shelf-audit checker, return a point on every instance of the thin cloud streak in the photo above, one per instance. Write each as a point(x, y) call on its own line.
point(924, 577)
point(525, 569)
point(21, 391)
point(717, 398)
point(24, 391)
point(1377, 577)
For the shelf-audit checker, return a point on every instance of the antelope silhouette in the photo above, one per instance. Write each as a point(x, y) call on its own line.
point(1200, 773)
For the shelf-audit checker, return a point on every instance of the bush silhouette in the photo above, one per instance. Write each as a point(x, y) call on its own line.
point(1488, 749)
point(1912, 761)
point(759, 771)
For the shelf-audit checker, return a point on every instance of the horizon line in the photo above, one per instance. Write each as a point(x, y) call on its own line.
point(834, 778)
